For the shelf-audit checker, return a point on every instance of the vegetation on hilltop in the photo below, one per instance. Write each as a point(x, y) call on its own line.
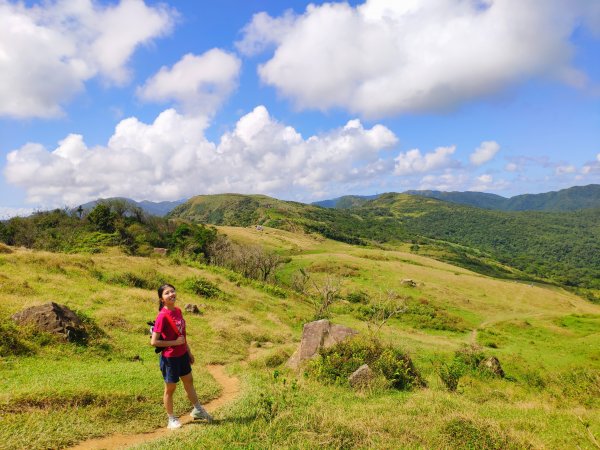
point(110, 223)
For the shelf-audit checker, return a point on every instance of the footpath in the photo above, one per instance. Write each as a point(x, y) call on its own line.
point(231, 388)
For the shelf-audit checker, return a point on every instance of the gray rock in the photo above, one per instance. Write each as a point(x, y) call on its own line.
point(191, 308)
point(317, 335)
point(492, 364)
point(361, 377)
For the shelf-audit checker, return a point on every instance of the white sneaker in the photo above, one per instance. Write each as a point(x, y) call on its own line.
point(173, 423)
point(200, 414)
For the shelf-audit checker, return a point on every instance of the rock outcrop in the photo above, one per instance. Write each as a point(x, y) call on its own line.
point(317, 335)
point(53, 318)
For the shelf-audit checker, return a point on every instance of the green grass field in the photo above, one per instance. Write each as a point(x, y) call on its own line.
point(55, 394)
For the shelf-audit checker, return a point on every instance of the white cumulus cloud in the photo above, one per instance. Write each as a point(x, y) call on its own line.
point(49, 51)
point(512, 167)
point(484, 153)
point(565, 169)
point(387, 57)
point(447, 181)
point(413, 161)
point(171, 158)
point(200, 83)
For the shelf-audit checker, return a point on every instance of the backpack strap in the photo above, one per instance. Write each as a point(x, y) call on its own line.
point(170, 320)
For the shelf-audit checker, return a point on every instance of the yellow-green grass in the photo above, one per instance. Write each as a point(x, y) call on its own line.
point(547, 340)
point(274, 413)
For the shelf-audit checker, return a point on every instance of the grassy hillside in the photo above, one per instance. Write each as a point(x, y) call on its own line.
point(54, 394)
point(563, 248)
point(245, 210)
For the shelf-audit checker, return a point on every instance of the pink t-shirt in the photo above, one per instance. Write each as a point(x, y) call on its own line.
point(163, 326)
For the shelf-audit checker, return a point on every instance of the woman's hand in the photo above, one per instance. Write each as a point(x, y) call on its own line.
point(192, 359)
point(180, 340)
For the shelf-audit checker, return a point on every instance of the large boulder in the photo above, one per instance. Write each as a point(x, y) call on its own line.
point(53, 318)
point(317, 335)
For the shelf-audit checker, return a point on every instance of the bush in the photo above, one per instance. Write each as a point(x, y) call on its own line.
point(337, 363)
point(145, 279)
point(358, 297)
point(202, 287)
point(466, 359)
point(12, 342)
point(270, 289)
point(465, 433)
point(580, 385)
point(5, 248)
point(421, 314)
point(276, 359)
point(470, 356)
point(451, 373)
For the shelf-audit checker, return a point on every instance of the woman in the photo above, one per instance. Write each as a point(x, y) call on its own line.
point(176, 358)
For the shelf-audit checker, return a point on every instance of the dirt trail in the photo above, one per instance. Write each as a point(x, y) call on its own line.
point(231, 388)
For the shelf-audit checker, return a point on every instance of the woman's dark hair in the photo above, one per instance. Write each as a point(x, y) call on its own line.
point(160, 293)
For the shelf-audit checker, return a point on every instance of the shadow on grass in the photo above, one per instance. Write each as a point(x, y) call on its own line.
point(234, 420)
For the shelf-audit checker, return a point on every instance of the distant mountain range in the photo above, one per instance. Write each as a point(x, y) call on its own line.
point(155, 208)
point(571, 199)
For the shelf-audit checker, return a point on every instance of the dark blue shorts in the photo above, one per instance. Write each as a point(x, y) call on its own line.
point(173, 368)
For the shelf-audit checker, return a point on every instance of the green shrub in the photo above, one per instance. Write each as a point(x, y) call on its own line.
point(466, 359)
point(581, 385)
point(276, 359)
point(451, 373)
point(465, 433)
point(424, 315)
point(93, 331)
point(358, 297)
point(202, 287)
point(337, 363)
point(534, 379)
point(270, 289)
point(470, 355)
point(146, 279)
point(13, 342)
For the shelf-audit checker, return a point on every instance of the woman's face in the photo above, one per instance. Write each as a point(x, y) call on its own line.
point(169, 296)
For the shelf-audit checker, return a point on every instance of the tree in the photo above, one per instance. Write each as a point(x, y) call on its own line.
point(192, 240)
point(102, 218)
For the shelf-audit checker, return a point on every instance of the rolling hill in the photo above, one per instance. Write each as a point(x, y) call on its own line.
point(563, 247)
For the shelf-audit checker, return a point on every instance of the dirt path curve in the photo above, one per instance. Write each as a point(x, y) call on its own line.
point(231, 388)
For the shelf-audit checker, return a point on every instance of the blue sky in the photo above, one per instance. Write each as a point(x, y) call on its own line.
point(167, 100)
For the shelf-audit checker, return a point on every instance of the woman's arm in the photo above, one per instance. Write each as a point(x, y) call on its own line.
point(156, 341)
